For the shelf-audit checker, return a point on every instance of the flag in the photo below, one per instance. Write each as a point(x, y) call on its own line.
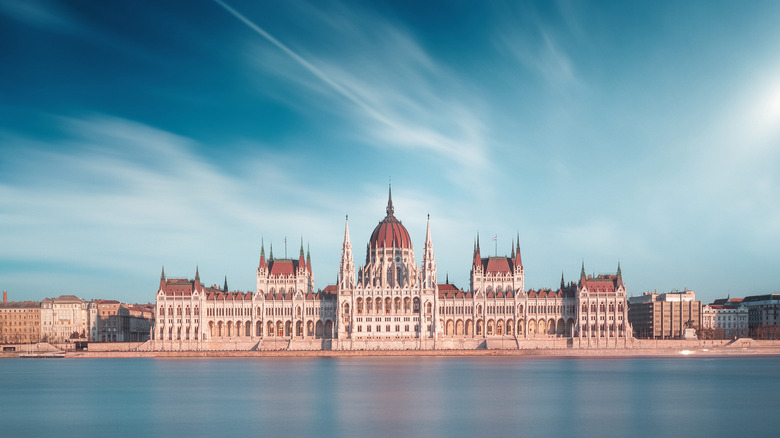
point(496, 238)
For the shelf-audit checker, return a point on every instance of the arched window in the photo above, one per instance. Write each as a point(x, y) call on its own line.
point(428, 308)
point(416, 305)
point(346, 307)
point(388, 305)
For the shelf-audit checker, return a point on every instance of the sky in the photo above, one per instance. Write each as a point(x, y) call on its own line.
point(136, 135)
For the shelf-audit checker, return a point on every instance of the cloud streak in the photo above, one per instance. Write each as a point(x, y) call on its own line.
point(390, 81)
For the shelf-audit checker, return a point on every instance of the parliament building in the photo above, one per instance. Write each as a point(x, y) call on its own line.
point(390, 302)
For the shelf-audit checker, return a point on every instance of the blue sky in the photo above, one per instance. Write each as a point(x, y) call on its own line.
point(140, 134)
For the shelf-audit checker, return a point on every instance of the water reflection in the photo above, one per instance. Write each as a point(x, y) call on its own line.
point(334, 397)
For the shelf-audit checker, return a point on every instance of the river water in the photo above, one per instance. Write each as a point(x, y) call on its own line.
point(389, 396)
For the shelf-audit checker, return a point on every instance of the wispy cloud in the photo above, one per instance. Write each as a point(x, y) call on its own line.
point(394, 92)
point(40, 14)
point(539, 47)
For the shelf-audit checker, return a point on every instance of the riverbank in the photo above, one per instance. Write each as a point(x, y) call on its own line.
point(636, 348)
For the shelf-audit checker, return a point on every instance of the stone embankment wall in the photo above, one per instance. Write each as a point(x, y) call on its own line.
point(560, 347)
point(114, 346)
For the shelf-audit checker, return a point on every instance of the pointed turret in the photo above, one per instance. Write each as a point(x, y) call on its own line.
point(301, 257)
point(619, 275)
point(262, 254)
point(162, 279)
point(346, 277)
point(308, 258)
point(225, 289)
point(428, 259)
point(582, 272)
point(518, 258)
point(197, 278)
point(271, 252)
point(563, 283)
point(477, 256)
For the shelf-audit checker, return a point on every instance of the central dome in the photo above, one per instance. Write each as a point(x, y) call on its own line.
point(390, 233)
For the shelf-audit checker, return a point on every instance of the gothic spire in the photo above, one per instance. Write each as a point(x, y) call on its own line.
point(582, 272)
point(563, 284)
point(225, 289)
point(389, 201)
point(346, 277)
point(428, 259)
point(162, 276)
point(197, 274)
point(271, 255)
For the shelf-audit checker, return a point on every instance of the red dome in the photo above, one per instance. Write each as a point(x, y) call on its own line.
point(390, 233)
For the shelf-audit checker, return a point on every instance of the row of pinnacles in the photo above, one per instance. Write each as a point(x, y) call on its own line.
point(391, 302)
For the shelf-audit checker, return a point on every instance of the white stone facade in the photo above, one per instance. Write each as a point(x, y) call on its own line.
point(64, 316)
point(728, 322)
point(390, 302)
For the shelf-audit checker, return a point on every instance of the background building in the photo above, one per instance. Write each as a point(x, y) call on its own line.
point(20, 321)
point(725, 318)
point(68, 317)
point(664, 316)
point(763, 316)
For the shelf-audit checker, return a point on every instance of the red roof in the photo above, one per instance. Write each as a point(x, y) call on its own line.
point(282, 267)
point(447, 287)
point(496, 265)
point(602, 283)
point(178, 287)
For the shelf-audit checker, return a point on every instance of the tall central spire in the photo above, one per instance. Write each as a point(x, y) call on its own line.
point(389, 200)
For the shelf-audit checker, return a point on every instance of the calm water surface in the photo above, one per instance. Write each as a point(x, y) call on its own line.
point(394, 397)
